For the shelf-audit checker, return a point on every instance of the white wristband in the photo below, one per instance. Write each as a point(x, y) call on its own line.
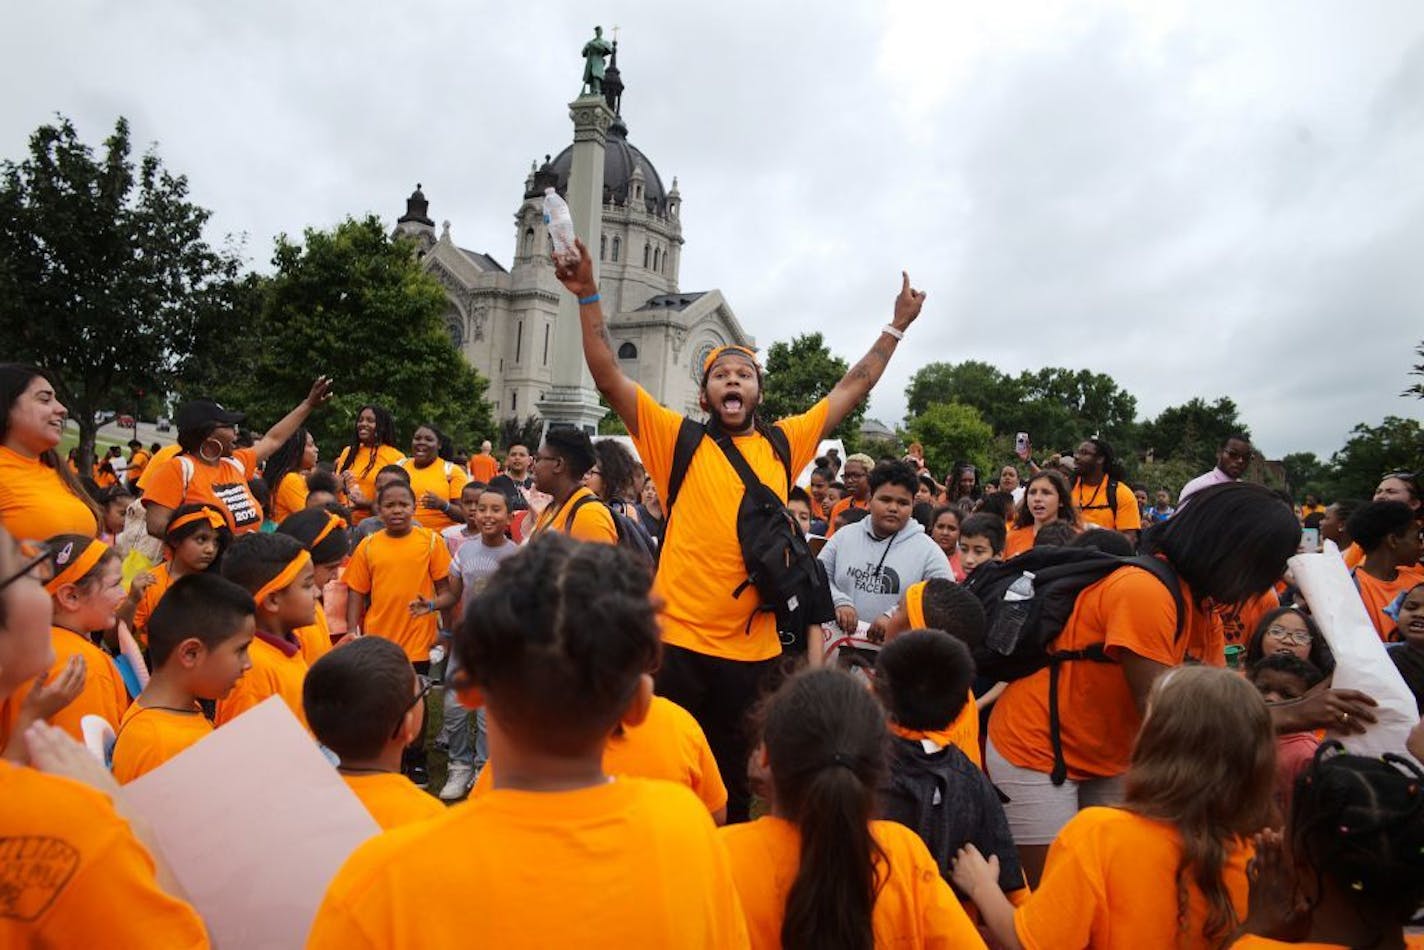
point(897, 334)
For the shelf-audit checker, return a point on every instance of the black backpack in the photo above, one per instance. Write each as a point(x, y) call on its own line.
point(631, 534)
point(789, 577)
point(1026, 614)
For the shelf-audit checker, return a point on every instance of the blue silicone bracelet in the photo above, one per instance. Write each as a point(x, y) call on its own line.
point(595, 298)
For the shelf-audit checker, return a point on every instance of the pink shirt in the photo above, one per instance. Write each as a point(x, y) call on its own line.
point(1214, 477)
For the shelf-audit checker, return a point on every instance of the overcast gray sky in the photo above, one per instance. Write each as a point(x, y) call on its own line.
point(1199, 199)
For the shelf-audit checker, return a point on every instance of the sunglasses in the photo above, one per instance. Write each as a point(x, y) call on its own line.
point(418, 699)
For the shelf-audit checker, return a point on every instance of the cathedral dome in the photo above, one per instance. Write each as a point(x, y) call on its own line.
point(619, 161)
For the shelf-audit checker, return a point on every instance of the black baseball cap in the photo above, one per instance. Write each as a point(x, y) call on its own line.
point(197, 413)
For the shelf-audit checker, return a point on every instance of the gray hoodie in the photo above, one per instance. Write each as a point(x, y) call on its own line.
point(870, 573)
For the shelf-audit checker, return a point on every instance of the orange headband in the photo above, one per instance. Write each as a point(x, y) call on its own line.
point(69, 569)
point(214, 520)
point(723, 351)
point(915, 605)
point(332, 523)
point(285, 578)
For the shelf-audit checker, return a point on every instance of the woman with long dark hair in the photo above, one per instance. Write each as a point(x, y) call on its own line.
point(40, 496)
point(286, 475)
point(1047, 498)
point(372, 448)
point(819, 871)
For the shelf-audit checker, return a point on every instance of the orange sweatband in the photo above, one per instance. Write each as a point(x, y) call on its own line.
point(723, 351)
point(285, 577)
point(915, 605)
point(214, 520)
point(69, 568)
point(332, 523)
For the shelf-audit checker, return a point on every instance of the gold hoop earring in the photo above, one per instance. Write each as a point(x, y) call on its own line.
point(215, 458)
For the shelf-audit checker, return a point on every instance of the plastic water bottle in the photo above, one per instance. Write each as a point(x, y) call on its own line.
point(561, 226)
point(1004, 634)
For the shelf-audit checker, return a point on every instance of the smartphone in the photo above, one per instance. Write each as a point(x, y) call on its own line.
point(1310, 540)
point(1021, 445)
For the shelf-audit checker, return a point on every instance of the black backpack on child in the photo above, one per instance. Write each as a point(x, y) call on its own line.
point(631, 534)
point(1027, 601)
point(788, 576)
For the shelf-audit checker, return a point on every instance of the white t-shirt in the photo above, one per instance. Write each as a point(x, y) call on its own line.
point(476, 561)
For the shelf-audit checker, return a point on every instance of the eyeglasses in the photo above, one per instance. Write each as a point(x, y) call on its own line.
point(1294, 637)
point(1233, 454)
point(419, 698)
point(39, 564)
point(546, 458)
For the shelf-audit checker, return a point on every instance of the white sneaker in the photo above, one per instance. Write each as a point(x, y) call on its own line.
point(457, 783)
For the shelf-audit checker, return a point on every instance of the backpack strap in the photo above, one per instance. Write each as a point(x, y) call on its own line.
point(1112, 498)
point(689, 437)
point(574, 510)
point(1096, 653)
point(781, 445)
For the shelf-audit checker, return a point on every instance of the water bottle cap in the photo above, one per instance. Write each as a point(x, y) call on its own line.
point(550, 191)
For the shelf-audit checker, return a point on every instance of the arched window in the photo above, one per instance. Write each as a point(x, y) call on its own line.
point(528, 242)
point(617, 245)
point(603, 247)
point(627, 352)
point(646, 249)
point(658, 259)
point(456, 329)
point(665, 264)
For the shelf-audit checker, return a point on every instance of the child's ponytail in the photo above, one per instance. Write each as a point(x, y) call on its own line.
point(825, 739)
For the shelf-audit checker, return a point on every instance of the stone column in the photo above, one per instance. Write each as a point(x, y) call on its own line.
point(573, 400)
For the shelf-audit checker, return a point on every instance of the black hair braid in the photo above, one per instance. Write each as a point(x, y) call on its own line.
point(385, 435)
point(1361, 822)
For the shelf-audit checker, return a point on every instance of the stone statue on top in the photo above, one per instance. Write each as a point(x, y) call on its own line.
point(595, 51)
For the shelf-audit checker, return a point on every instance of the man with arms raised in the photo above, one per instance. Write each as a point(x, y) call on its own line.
point(717, 648)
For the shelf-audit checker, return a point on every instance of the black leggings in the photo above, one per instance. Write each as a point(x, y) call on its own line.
point(719, 693)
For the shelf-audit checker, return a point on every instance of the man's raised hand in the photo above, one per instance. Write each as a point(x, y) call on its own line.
point(907, 304)
point(577, 275)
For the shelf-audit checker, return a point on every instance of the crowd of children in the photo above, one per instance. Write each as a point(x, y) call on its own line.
point(628, 761)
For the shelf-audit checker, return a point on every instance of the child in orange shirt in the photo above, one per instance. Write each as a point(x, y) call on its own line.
point(1168, 867)
point(193, 542)
point(324, 535)
point(278, 572)
point(1354, 873)
point(818, 871)
point(365, 703)
point(559, 853)
point(85, 590)
point(199, 637)
point(76, 872)
point(1390, 536)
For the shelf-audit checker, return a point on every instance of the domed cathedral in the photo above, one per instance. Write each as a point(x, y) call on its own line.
point(505, 321)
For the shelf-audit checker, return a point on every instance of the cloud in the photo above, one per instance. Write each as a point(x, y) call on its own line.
point(1197, 199)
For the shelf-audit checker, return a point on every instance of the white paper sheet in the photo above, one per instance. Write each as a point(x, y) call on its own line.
point(1360, 659)
point(254, 823)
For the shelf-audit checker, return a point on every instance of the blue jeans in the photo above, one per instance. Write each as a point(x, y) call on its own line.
point(455, 734)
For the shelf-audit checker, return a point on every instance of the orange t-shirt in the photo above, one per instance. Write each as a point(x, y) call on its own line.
point(289, 497)
point(275, 671)
point(104, 693)
point(150, 736)
point(1353, 555)
point(1019, 540)
point(1110, 882)
point(592, 521)
point(316, 639)
point(162, 455)
point(137, 463)
point(74, 874)
point(222, 485)
point(366, 471)
point(845, 503)
point(701, 562)
point(36, 504)
point(963, 733)
point(1378, 594)
point(1253, 942)
point(1129, 611)
point(630, 863)
point(392, 800)
point(914, 908)
point(483, 467)
point(1092, 503)
point(668, 745)
point(162, 580)
point(393, 572)
point(445, 479)
point(1239, 621)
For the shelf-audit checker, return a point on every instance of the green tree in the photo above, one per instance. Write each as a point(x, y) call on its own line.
point(1417, 390)
point(1062, 407)
point(103, 270)
point(1167, 473)
point(1395, 445)
point(610, 424)
point(970, 383)
point(527, 432)
point(801, 373)
point(355, 305)
point(951, 432)
point(1193, 431)
point(1305, 472)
